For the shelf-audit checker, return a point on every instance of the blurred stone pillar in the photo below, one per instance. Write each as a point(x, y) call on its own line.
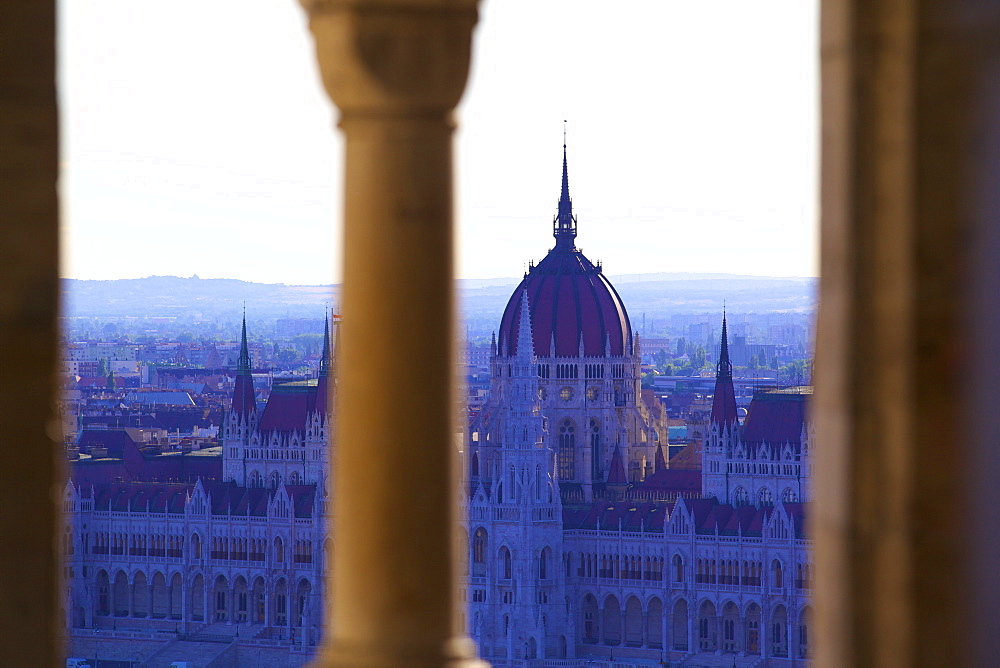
point(29, 293)
point(906, 534)
point(395, 69)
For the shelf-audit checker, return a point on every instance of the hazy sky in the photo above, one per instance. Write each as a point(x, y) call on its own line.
point(197, 139)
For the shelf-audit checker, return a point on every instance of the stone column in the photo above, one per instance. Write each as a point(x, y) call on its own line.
point(185, 594)
point(667, 625)
point(396, 69)
point(907, 334)
point(29, 289)
point(208, 593)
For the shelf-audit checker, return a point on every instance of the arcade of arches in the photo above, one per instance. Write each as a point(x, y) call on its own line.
point(703, 627)
point(198, 597)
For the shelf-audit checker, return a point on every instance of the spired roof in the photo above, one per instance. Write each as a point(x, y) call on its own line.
point(244, 401)
point(572, 304)
point(724, 401)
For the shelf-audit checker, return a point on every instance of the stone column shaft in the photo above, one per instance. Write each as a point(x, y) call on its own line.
point(907, 334)
point(396, 70)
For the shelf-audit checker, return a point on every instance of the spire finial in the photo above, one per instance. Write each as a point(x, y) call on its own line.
point(725, 367)
point(243, 361)
point(564, 224)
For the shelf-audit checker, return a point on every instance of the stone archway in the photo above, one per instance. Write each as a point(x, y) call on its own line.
point(751, 637)
point(102, 603)
point(708, 636)
point(679, 625)
point(654, 624)
point(220, 600)
point(633, 622)
point(198, 612)
point(258, 613)
point(160, 605)
point(140, 595)
point(730, 627)
point(611, 622)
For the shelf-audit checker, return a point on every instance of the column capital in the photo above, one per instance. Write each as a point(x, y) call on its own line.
point(393, 58)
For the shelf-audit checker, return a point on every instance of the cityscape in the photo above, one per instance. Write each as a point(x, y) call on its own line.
point(321, 349)
point(636, 483)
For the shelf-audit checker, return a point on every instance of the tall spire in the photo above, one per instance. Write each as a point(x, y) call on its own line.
point(243, 362)
point(724, 401)
point(724, 368)
point(564, 224)
point(244, 401)
point(324, 362)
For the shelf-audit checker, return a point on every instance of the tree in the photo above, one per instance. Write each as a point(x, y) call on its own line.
point(698, 358)
point(287, 356)
point(103, 367)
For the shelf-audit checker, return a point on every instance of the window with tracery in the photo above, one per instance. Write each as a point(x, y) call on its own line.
point(567, 450)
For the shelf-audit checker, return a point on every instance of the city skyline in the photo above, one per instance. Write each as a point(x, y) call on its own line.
point(172, 154)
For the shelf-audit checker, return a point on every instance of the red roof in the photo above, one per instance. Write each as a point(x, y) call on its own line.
point(610, 516)
point(776, 418)
point(288, 407)
point(569, 298)
point(680, 481)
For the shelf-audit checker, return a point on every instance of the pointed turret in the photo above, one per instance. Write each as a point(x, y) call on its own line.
point(493, 345)
point(616, 474)
point(564, 224)
point(724, 403)
point(661, 462)
point(525, 346)
point(244, 401)
point(323, 389)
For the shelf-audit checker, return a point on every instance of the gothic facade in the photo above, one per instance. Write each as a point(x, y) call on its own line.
point(239, 549)
point(583, 544)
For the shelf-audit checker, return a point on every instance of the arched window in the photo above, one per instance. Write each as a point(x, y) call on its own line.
point(474, 465)
point(567, 450)
point(505, 563)
point(196, 546)
point(479, 551)
point(595, 449)
point(279, 550)
point(255, 480)
point(764, 497)
point(741, 497)
point(777, 579)
point(543, 564)
point(274, 480)
point(788, 496)
point(293, 479)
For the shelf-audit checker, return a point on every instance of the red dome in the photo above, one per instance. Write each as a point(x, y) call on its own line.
point(569, 299)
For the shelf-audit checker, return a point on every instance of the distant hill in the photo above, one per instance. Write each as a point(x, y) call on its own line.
point(657, 295)
point(673, 293)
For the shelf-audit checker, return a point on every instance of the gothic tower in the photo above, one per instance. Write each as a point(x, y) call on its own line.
point(723, 427)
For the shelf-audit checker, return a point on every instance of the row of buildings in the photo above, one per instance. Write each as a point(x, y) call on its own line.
point(584, 541)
